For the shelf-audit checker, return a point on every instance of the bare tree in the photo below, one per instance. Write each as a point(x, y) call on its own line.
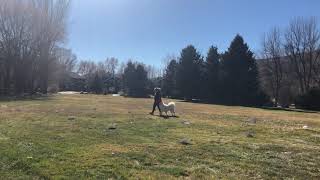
point(66, 59)
point(152, 71)
point(14, 36)
point(302, 44)
point(111, 65)
point(273, 62)
point(52, 27)
point(29, 32)
point(86, 67)
point(64, 66)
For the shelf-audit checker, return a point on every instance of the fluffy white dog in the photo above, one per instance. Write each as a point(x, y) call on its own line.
point(168, 107)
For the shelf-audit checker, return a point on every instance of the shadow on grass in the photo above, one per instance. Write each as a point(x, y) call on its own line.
point(289, 109)
point(197, 101)
point(26, 98)
point(166, 117)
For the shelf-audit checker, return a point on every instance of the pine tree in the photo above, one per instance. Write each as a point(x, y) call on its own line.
point(135, 79)
point(212, 74)
point(128, 77)
point(189, 74)
point(141, 81)
point(169, 80)
point(240, 80)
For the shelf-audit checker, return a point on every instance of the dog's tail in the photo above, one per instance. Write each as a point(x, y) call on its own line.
point(172, 104)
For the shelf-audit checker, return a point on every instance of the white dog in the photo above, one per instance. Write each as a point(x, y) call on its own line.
point(168, 107)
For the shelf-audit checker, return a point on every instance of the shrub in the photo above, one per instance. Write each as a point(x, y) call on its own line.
point(53, 88)
point(310, 100)
point(258, 100)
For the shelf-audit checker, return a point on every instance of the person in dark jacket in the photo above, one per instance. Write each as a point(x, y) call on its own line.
point(157, 100)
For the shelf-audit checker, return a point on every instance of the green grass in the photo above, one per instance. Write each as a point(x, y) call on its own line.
point(37, 141)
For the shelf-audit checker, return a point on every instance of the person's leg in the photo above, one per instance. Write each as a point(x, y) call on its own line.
point(154, 107)
point(158, 105)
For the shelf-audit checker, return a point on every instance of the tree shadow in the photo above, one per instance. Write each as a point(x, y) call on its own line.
point(263, 107)
point(289, 109)
point(26, 98)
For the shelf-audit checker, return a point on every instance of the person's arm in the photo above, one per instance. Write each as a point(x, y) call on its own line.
point(155, 97)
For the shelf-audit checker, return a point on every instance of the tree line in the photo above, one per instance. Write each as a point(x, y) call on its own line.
point(290, 64)
point(32, 59)
point(229, 78)
point(286, 71)
point(31, 34)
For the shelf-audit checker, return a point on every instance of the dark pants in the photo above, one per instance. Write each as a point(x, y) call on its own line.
point(154, 106)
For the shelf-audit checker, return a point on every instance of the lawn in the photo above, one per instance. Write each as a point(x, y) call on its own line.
point(100, 137)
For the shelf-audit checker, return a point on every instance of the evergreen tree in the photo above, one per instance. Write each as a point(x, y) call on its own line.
point(240, 76)
point(189, 74)
point(169, 80)
point(135, 79)
point(96, 84)
point(128, 77)
point(141, 81)
point(212, 74)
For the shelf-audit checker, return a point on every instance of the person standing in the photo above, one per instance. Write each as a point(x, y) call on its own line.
point(157, 100)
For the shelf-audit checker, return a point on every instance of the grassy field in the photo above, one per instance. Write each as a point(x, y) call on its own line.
point(73, 137)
